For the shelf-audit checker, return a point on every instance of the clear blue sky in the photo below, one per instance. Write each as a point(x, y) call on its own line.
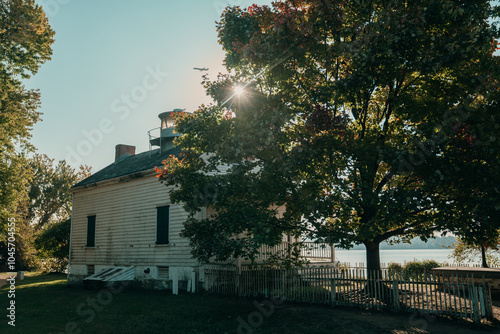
point(116, 65)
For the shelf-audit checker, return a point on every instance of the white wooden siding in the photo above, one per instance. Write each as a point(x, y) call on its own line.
point(126, 225)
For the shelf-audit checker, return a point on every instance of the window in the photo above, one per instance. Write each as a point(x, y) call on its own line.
point(90, 231)
point(162, 215)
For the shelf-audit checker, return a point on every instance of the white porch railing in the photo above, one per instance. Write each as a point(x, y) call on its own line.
point(310, 250)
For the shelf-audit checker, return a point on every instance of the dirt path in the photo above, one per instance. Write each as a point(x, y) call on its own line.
point(3, 279)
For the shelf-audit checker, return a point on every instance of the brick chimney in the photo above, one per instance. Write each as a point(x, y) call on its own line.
point(121, 149)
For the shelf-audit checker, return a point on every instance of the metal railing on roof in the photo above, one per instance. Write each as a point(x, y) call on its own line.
point(152, 137)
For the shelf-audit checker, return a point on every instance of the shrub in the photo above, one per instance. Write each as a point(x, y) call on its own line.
point(413, 269)
point(428, 265)
point(418, 269)
point(394, 268)
point(53, 246)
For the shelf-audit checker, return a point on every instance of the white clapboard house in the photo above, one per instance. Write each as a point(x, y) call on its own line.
point(124, 226)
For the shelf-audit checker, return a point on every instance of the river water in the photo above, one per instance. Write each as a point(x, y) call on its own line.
point(396, 255)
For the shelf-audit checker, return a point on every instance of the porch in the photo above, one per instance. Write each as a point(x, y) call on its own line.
point(316, 253)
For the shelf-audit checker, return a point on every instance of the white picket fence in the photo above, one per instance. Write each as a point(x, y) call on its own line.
point(457, 296)
point(383, 265)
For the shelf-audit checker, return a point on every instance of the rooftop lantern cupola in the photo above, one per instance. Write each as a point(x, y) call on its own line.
point(167, 134)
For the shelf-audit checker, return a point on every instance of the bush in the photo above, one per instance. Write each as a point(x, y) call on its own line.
point(53, 246)
point(428, 265)
point(418, 269)
point(394, 268)
point(413, 269)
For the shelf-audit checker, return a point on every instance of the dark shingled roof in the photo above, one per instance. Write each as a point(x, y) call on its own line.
point(129, 165)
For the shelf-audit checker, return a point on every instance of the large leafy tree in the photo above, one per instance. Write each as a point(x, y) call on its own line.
point(348, 107)
point(43, 215)
point(465, 253)
point(49, 199)
point(25, 44)
point(469, 172)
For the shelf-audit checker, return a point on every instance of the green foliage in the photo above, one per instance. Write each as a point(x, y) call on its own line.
point(48, 192)
point(26, 40)
point(464, 253)
point(419, 269)
point(470, 174)
point(395, 268)
point(52, 245)
point(413, 269)
point(25, 253)
point(42, 219)
point(346, 125)
point(290, 257)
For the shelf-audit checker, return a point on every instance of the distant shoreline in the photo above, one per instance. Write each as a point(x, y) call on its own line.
point(440, 255)
point(416, 243)
point(394, 248)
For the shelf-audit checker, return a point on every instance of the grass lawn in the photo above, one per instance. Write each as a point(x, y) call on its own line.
point(44, 304)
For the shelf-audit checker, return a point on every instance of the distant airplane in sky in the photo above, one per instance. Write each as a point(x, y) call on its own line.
point(200, 68)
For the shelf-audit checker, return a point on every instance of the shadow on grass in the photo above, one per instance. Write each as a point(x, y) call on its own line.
point(44, 304)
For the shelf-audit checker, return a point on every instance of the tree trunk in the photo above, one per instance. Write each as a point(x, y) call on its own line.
point(375, 287)
point(483, 257)
point(372, 256)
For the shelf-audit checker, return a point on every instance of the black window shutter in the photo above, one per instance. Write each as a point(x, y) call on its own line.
point(90, 231)
point(162, 216)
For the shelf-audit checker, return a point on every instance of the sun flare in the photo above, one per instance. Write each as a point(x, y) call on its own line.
point(239, 90)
